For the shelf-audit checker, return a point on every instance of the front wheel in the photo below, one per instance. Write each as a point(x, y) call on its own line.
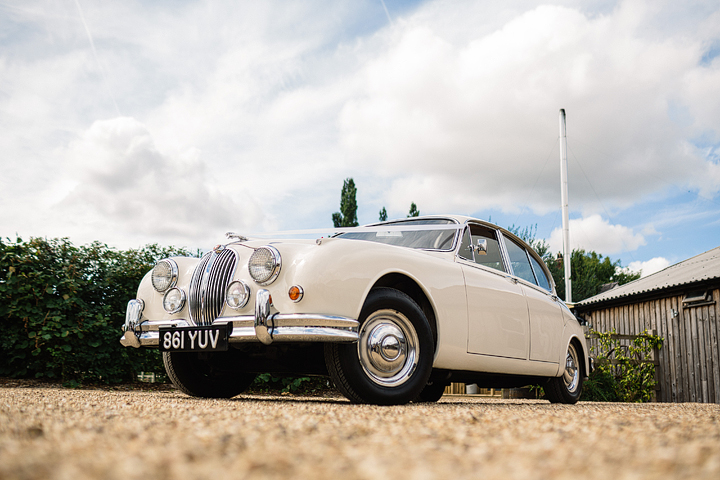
point(568, 387)
point(208, 375)
point(392, 360)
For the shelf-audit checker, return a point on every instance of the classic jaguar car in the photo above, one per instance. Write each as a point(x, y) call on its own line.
point(392, 312)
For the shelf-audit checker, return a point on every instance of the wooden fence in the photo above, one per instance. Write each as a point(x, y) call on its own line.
point(461, 389)
point(689, 360)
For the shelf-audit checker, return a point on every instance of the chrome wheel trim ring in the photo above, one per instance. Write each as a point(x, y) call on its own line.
point(388, 348)
point(571, 375)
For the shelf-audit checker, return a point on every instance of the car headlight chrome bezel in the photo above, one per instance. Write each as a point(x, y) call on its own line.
point(264, 265)
point(243, 293)
point(179, 303)
point(164, 275)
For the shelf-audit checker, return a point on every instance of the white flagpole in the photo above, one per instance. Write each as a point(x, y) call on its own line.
point(564, 198)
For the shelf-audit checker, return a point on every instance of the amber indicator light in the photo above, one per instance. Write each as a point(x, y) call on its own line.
point(295, 293)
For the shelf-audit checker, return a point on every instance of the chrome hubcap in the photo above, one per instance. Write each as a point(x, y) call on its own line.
point(572, 373)
point(388, 348)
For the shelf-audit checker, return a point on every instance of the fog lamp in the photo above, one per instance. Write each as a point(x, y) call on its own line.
point(237, 295)
point(174, 300)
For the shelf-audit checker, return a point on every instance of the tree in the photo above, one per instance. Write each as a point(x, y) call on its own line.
point(588, 272)
point(347, 216)
point(383, 214)
point(414, 212)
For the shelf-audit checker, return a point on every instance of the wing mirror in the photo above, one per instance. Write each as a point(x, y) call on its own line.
point(481, 247)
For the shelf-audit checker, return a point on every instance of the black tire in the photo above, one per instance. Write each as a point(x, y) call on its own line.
point(567, 388)
point(397, 369)
point(432, 392)
point(209, 376)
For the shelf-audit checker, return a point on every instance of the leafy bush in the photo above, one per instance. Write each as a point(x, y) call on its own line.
point(62, 308)
point(623, 372)
point(601, 386)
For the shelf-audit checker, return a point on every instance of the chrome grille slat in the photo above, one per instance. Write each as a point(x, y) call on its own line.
point(194, 298)
point(208, 284)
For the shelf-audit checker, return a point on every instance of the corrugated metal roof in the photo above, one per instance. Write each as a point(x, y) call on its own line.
point(705, 266)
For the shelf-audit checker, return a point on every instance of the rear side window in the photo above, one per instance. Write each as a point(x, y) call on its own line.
point(520, 261)
point(540, 274)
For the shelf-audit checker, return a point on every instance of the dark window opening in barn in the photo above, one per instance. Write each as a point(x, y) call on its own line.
point(697, 297)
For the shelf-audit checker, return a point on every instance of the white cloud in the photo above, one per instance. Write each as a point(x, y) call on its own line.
point(650, 266)
point(125, 183)
point(597, 234)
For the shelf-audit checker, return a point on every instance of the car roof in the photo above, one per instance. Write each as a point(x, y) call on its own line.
point(461, 219)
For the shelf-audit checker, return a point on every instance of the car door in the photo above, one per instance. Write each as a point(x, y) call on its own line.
point(498, 320)
point(546, 319)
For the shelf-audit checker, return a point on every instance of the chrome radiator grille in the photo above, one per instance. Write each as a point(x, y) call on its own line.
point(207, 287)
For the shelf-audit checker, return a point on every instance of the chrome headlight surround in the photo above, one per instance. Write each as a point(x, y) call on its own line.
point(164, 275)
point(264, 265)
point(237, 295)
point(174, 300)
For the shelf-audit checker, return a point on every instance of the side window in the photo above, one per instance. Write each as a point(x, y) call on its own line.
point(520, 262)
point(466, 251)
point(540, 274)
point(492, 258)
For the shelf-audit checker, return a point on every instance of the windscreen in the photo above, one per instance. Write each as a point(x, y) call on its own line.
point(411, 234)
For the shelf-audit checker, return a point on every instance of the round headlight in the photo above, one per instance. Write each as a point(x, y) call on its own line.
point(237, 295)
point(164, 275)
point(264, 265)
point(174, 300)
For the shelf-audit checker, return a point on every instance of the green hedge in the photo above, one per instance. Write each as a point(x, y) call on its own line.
point(62, 308)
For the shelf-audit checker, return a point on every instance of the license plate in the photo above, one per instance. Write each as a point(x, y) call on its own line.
point(194, 339)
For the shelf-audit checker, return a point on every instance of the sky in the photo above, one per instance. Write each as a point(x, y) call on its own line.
point(173, 122)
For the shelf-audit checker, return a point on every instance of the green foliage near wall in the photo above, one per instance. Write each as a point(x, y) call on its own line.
point(623, 372)
point(62, 308)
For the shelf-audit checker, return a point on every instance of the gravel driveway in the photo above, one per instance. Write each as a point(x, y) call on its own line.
point(90, 434)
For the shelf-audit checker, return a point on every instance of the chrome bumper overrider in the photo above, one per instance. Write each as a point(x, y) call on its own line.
point(262, 327)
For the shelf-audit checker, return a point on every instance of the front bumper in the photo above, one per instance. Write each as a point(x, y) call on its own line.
point(264, 327)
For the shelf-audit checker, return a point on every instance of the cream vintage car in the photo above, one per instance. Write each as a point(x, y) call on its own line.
point(392, 312)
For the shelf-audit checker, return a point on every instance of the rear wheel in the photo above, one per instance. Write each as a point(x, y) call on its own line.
point(209, 375)
point(568, 387)
point(392, 360)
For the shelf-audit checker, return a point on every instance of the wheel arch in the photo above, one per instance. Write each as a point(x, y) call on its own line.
point(411, 288)
point(582, 353)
